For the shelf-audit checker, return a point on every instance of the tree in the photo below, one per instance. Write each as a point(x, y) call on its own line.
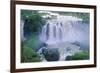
point(33, 22)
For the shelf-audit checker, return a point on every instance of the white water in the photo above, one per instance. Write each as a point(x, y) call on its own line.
point(59, 30)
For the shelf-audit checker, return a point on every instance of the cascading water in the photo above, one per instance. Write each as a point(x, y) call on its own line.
point(62, 31)
point(52, 32)
point(58, 30)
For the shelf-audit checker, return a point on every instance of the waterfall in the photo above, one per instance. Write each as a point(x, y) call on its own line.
point(52, 32)
point(59, 30)
point(63, 33)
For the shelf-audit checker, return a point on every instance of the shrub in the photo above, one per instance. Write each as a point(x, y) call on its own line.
point(34, 43)
point(29, 55)
point(80, 56)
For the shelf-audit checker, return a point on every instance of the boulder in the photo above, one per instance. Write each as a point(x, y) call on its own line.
point(51, 54)
point(68, 58)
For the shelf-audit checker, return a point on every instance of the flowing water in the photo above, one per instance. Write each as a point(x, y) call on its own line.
point(64, 30)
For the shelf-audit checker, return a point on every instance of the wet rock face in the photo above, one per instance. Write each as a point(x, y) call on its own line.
point(51, 54)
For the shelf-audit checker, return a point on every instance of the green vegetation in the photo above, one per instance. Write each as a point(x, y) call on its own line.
point(79, 56)
point(33, 21)
point(32, 42)
point(29, 55)
point(29, 49)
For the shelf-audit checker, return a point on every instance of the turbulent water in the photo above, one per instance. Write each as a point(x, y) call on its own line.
point(65, 29)
point(66, 32)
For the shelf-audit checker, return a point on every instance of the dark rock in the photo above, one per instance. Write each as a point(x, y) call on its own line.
point(51, 54)
point(68, 58)
point(76, 43)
